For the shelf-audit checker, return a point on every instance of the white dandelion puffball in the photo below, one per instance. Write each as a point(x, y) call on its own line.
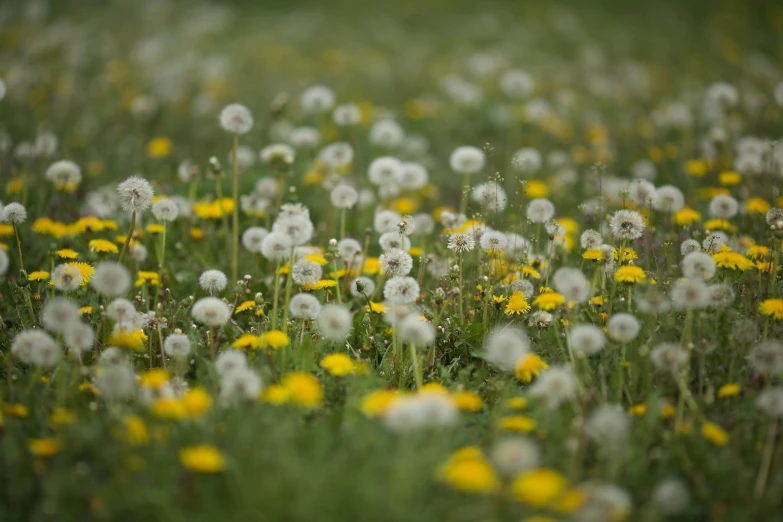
point(230, 361)
point(698, 265)
point(335, 322)
point(276, 246)
point(304, 306)
point(78, 337)
point(394, 241)
point(211, 311)
point(296, 227)
point(401, 290)
point(236, 118)
point(668, 357)
point(627, 225)
point(461, 242)
point(165, 209)
point(540, 210)
point(64, 173)
point(689, 294)
point(668, 198)
point(317, 99)
point(4, 262)
point(385, 171)
point(723, 206)
point(505, 346)
point(58, 313)
point(387, 133)
point(135, 194)
point(623, 328)
point(27, 342)
point(414, 176)
point(111, 279)
point(279, 153)
point(467, 160)
point(608, 426)
point(554, 386)
point(416, 331)
point(177, 345)
point(346, 115)
point(213, 281)
point(516, 83)
point(586, 339)
point(528, 161)
point(115, 381)
point(306, 272)
point(344, 196)
point(591, 239)
point(14, 213)
point(362, 286)
point(386, 221)
point(253, 237)
point(121, 310)
point(689, 246)
point(572, 283)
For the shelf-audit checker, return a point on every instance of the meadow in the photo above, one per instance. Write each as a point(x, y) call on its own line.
point(410, 261)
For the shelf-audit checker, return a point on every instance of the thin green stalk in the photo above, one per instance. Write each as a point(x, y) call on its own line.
point(235, 217)
point(128, 237)
point(288, 288)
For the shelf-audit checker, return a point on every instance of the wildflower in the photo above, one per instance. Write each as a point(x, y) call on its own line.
point(608, 426)
point(732, 260)
point(274, 339)
point(67, 278)
point(505, 346)
point(517, 423)
point(772, 308)
point(150, 278)
point(211, 311)
point(723, 207)
point(627, 225)
point(572, 284)
point(377, 402)
point(165, 209)
point(517, 304)
point(690, 294)
point(136, 431)
point(671, 496)
point(130, 339)
point(247, 341)
point(425, 410)
point(202, 459)
point(67, 253)
point(668, 357)
point(686, 216)
point(468, 470)
point(177, 345)
point(58, 313)
point(586, 339)
point(338, 364)
point(669, 199)
point(714, 434)
point(466, 160)
point(468, 401)
point(213, 281)
point(770, 402)
point(540, 210)
point(46, 447)
point(38, 275)
point(548, 301)
point(135, 194)
point(316, 99)
point(14, 213)
point(539, 487)
point(593, 254)
point(275, 394)
point(111, 279)
point(729, 390)
point(528, 367)
point(554, 386)
point(639, 410)
point(303, 389)
point(461, 242)
point(623, 327)
point(767, 357)
point(236, 118)
point(159, 147)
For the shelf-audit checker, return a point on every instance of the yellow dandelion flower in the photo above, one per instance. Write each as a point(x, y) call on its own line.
point(697, 167)
point(84, 269)
point(103, 246)
point(516, 403)
point(629, 274)
point(732, 260)
point(539, 487)
point(168, 408)
point(155, 228)
point(536, 189)
point(244, 306)
point(529, 271)
point(136, 431)
point(377, 308)
point(729, 178)
point(497, 299)
point(154, 378)
point(757, 251)
point(729, 390)
point(60, 416)
point(593, 254)
point(377, 402)
point(686, 216)
point(38, 275)
point(468, 401)
point(304, 389)
point(320, 285)
point(67, 253)
point(315, 258)
point(772, 308)
point(274, 339)
point(202, 459)
point(159, 147)
point(338, 364)
point(628, 254)
point(468, 470)
point(719, 224)
point(517, 304)
point(529, 366)
point(129, 339)
point(638, 411)
point(151, 278)
point(714, 434)
point(757, 206)
point(517, 423)
point(275, 394)
point(44, 448)
point(548, 301)
point(85, 310)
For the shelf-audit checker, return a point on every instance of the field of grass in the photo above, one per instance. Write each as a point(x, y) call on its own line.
point(410, 261)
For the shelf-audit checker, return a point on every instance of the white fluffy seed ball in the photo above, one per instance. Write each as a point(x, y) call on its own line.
point(211, 311)
point(236, 118)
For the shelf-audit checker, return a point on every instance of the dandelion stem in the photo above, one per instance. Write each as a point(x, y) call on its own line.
point(162, 249)
point(288, 289)
point(19, 247)
point(416, 367)
point(766, 460)
point(235, 216)
point(128, 237)
point(276, 294)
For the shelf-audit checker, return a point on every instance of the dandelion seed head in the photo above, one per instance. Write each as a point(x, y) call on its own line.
point(690, 294)
point(723, 206)
point(110, 279)
point(689, 246)
point(78, 337)
point(698, 265)
point(135, 194)
point(213, 281)
point(26, 342)
point(467, 160)
point(586, 339)
point(770, 402)
point(387, 133)
point(58, 313)
point(504, 346)
point(14, 213)
point(394, 241)
point(304, 306)
point(668, 198)
point(401, 289)
point(211, 311)
point(236, 118)
point(317, 99)
point(627, 225)
point(346, 115)
point(344, 196)
point(306, 272)
point(554, 386)
point(540, 210)
point(514, 455)
point(242, 383)
point(165, 209)
point(572, 283)
point(252, 239)
point(177, 345)
point(115, 381)
point(668, 357)
point(230, 361)
point(591, 239)
point(276, 246)
point(335, 322)
point(608, 425)
point(766, 357)
point(623, 327)
point(64, 173)
point(714, 242)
